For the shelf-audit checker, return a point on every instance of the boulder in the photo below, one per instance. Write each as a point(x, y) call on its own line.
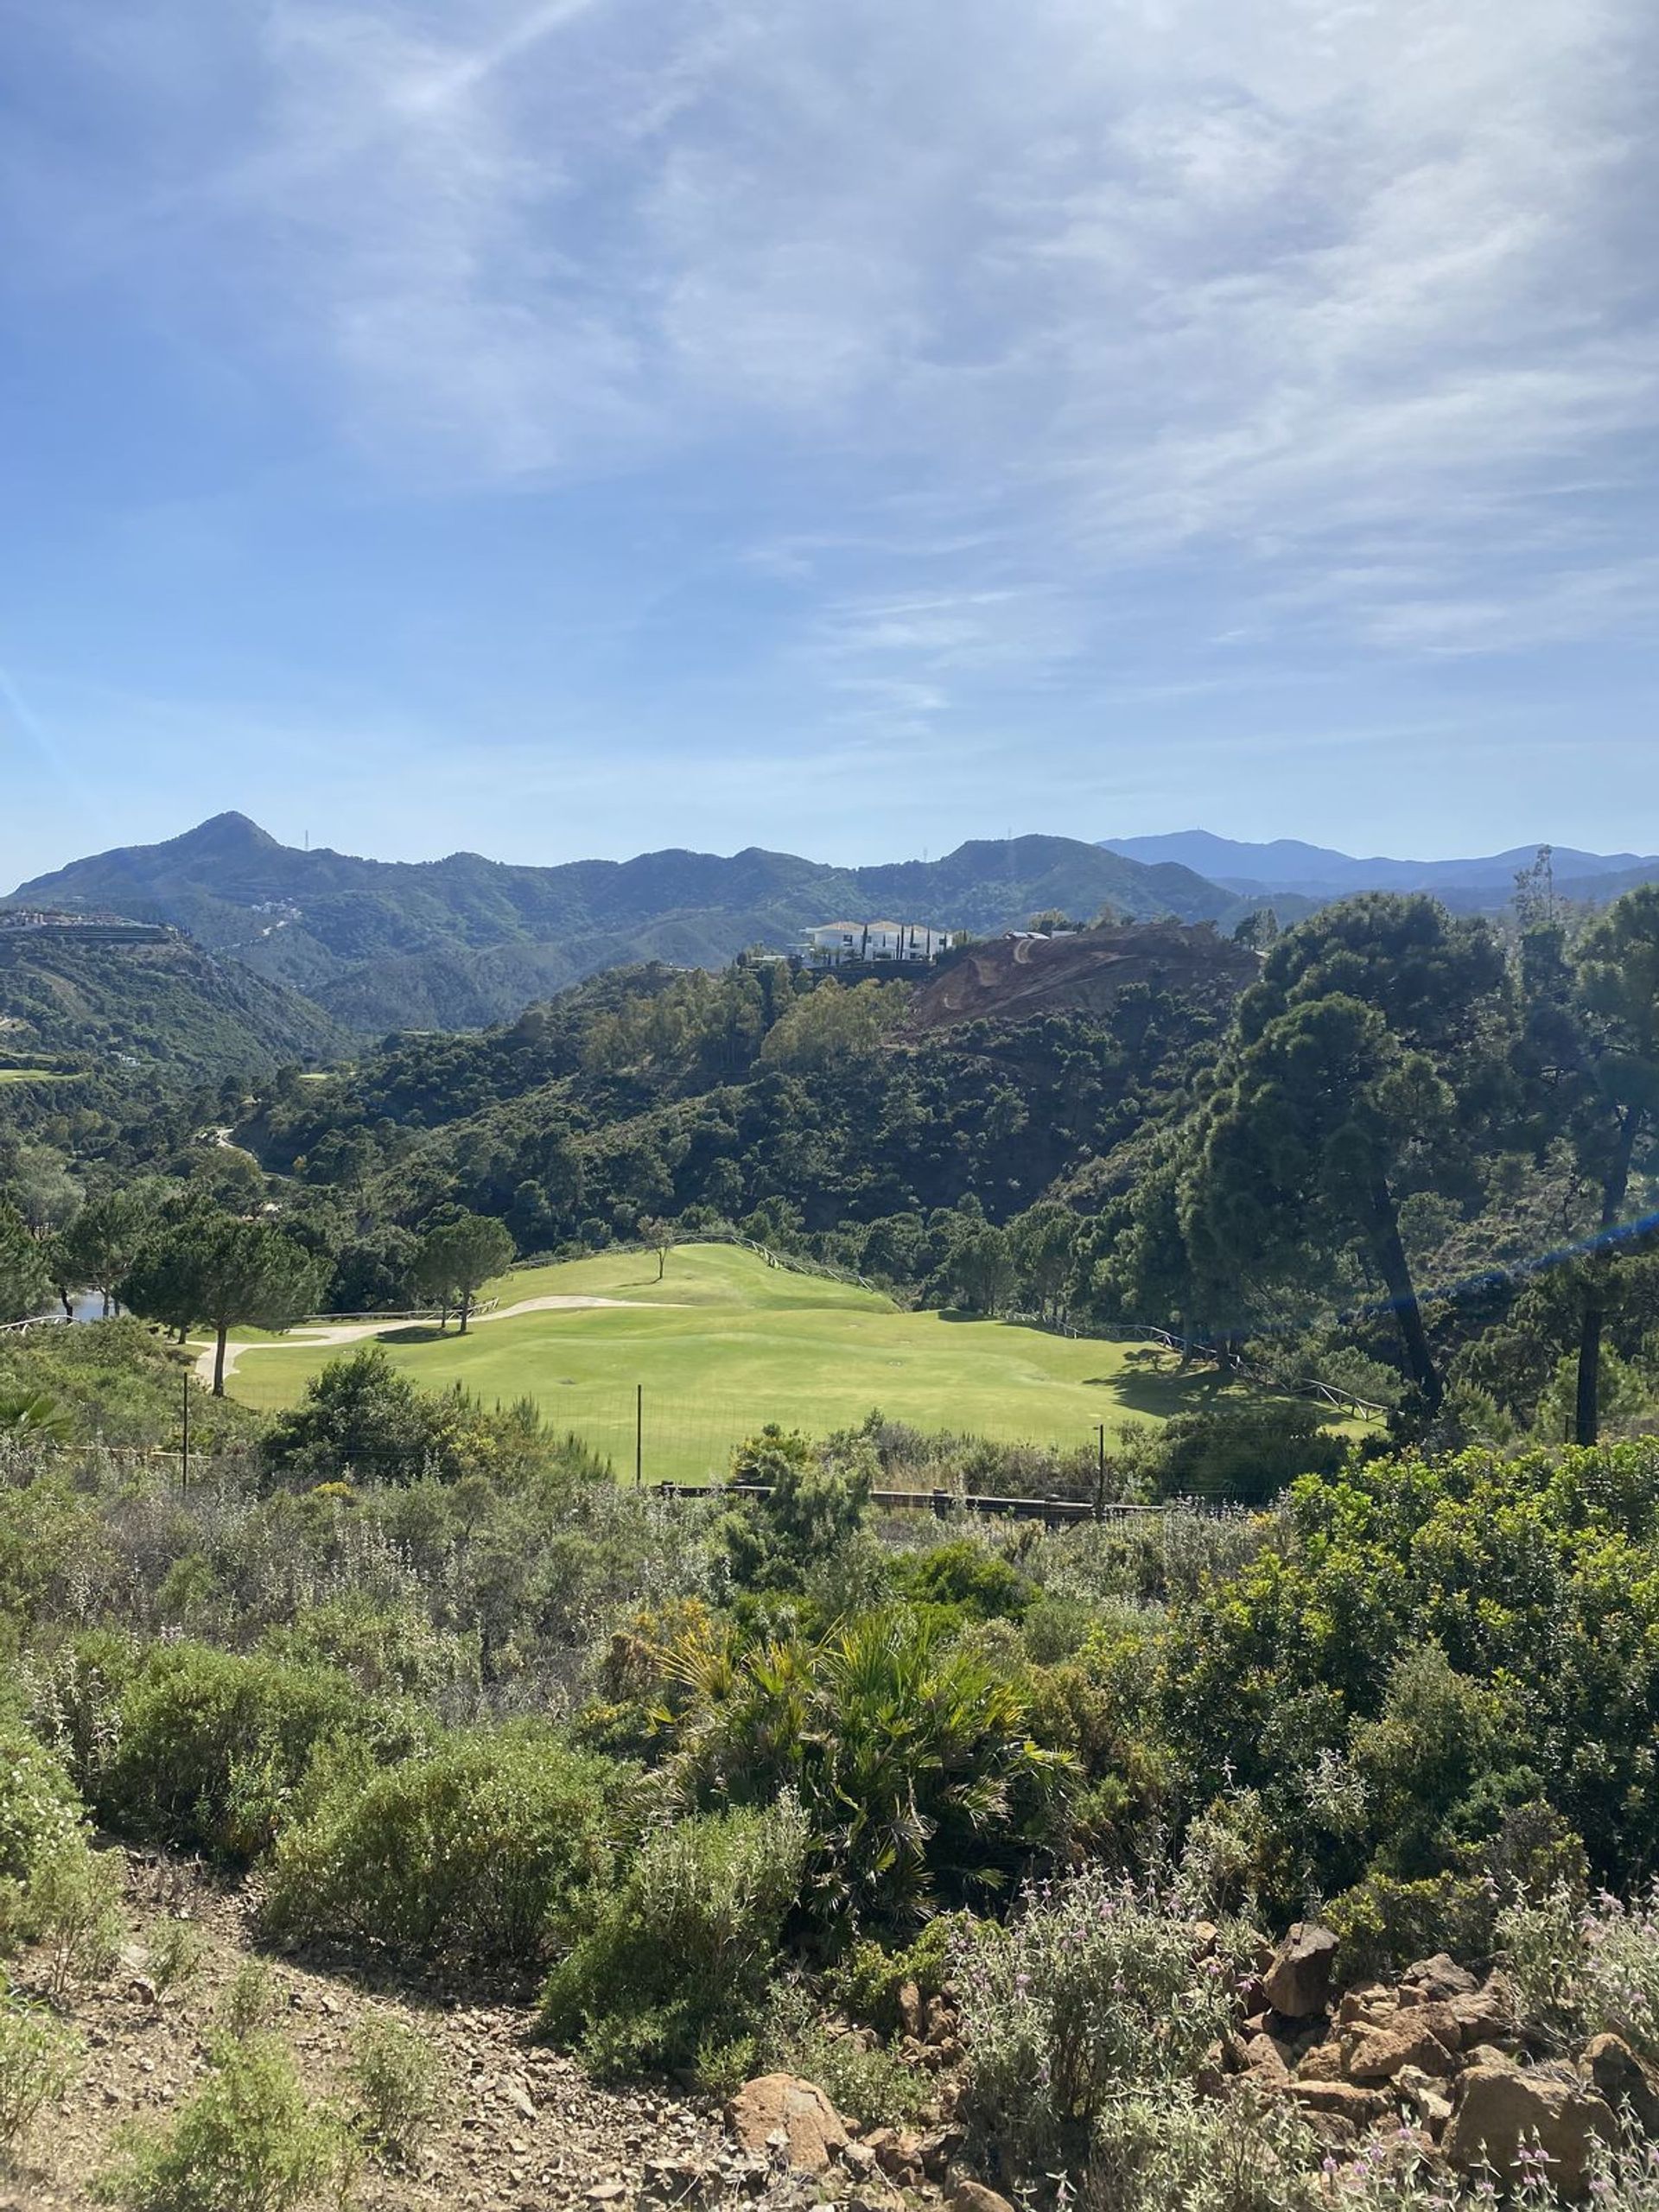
point(974, 2196)
point(1614, 2071)
point(897, 2151)
point(913, 2016)
point(1424, 2098)
point(1368, 2005)
point(1261, 2057)
point(1339, 2100)
point(1503, 2109)
point(1298, 1983)
point(1322, 2063)
point(1378, 2054)
point(782, 2106)
point(1430, 1981)
point(1486, 2015)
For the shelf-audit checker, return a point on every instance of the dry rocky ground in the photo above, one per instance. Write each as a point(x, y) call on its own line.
point(1440, 2059)
point(1437, 2066)
point(520, 2128)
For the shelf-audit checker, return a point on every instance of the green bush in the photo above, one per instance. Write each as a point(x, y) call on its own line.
point(54, 1889)
point(73, 1908)
point(1098, 1986)
point(250, 2140)
point(1153, 2150)
point(681, 1952)
point(866, 1983)
point(879, 2087)
point(1384, 1924)
point(911, 1757)
point(212, 1746)
point(969, 1577)
point(40, 1812)
point(1581, 1970)
point(468, 1850)
point(174, 1954)
point(37, 2063)
point(394, 2077)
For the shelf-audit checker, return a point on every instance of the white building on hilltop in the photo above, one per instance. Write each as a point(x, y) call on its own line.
point(839, 945)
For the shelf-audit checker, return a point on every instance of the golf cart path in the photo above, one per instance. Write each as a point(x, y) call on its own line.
point(326, 1335)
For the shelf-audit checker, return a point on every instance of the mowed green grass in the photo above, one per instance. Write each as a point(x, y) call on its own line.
point(32, 1075)
point(724, 1343)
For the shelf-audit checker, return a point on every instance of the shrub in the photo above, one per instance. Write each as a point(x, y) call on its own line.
point(55, 1890)
point(911, 1758)
point(248, 2141)
point(40, 1812)
point(212, 1746)
point(1385, 1923)
point(37, 2063)
point(74, 1909)
point(1094, 1988)
point(469, 1850)
point(868, 1982)
point(250, 2000)
point(876, 2086)
point(393, 2072)
point(685, 1946)
point(174, 1954)
point(1586, 1969)
point(1171, 2147)
point(968, 1577)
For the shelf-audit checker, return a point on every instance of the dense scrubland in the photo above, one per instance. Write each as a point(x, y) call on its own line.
point(1289, 1840)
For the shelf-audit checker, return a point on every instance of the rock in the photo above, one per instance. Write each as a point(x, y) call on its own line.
point(1368, 2006)
point(1430, 1981)
point(1487, 2054)
point(1339, 2100)
point(514, 2090)
point(1378, 2054)
point(1298, 1983)
point(606, 2192)
point(1261, 2057)
point(1614, 2071)
point(1486, 2015)
point(1322, 2063)
point(912, 2016)
point(875, 2196)
point(1502, 2108)
point(940, 2148)
point(898, 2152)
point(1426, 2099)
point(782, 2105)
point(974, 2196)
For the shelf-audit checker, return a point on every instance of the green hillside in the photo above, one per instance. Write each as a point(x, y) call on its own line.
point(162, 1005)
point(725, 1342)
point(464, 941)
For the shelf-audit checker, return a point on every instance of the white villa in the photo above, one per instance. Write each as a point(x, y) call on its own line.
point(836, 944)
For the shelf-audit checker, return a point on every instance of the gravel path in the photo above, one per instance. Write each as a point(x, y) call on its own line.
point(352, 1332)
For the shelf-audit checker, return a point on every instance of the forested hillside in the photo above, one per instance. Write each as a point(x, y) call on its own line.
point(155, 1007)
point(458, 942)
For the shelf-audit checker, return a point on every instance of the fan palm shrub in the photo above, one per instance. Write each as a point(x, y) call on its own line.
point(910, 1756)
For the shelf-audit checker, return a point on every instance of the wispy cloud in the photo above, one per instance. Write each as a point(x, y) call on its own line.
point(1351, 301)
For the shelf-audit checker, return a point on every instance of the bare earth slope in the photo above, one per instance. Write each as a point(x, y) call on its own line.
point(1018, 979)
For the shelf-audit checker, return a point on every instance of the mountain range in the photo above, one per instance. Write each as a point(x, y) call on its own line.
point(457, 942)
point(1318, 872)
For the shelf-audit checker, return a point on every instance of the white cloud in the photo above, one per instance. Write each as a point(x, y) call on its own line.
point(1349, 298)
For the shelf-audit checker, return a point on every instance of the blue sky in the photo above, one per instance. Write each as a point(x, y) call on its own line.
point(577, 427)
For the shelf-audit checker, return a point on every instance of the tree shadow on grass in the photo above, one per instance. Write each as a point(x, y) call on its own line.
point(419, 1332)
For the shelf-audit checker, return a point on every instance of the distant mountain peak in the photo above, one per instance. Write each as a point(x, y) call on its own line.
point(225, 832)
